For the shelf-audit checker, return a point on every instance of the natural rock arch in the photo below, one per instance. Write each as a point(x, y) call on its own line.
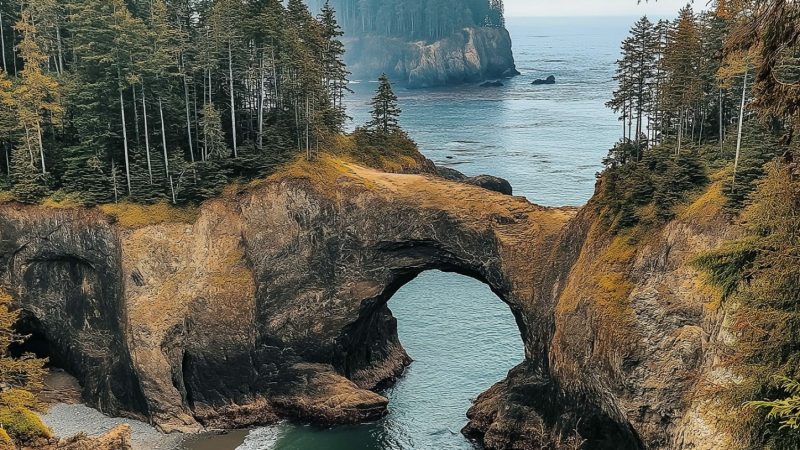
point(272, 303)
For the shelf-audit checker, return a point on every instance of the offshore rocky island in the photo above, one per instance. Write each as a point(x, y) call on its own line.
point(423, 44)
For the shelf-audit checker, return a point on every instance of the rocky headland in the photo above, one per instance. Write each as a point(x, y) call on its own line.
point(270, 303)
point(469, 55)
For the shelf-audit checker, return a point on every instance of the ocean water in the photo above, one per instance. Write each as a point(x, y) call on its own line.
point(548, 141)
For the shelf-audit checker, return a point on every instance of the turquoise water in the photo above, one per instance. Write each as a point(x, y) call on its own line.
point(548, 141)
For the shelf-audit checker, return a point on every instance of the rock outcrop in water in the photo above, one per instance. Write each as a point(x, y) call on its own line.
point(272, 304)
point(549, 80)
point(467, 56)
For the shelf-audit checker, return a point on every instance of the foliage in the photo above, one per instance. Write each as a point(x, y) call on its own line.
point(648, 190)
point(786, 410)
point(729, 265)
point(22, 424)
point(131, 215)
point(5, 441)
point(21, 378)
point(762, 277)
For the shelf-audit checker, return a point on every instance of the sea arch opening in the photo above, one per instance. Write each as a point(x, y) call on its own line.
point(462, 336)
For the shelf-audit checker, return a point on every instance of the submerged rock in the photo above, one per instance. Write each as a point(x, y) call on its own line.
point(549, 80)
point(492, 84)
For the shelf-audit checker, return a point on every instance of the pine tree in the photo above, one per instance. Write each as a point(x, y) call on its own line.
point(29, 184)
point(37, 94)
point(224, 23)
point(681, 64)
point(385, 112)
point(213, 136)
point(9, 125)
point(334, 69)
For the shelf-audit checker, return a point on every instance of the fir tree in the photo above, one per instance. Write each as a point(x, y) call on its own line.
point(334, 69)
point(213, 136)
point(37, 94)
point(29, 183)
point(385, 113)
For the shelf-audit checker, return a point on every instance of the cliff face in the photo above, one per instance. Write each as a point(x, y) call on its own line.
point(272, 304)
point(636, 328)
point(470, 55)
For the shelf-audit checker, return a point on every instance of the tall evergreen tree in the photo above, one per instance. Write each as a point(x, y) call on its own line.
point(385, 113)
point(37, 94)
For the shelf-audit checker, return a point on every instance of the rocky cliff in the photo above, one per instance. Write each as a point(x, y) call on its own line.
point(469, 55)
point(272, 303)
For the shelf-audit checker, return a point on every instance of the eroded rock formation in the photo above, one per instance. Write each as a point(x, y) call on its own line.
point(273, 304)
point(469, 55)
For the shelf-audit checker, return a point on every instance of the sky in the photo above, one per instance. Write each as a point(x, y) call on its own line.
point(527, 8)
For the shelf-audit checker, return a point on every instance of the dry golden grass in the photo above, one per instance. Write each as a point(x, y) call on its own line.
point(6, 197)
point(61, 202)
point(131, 215)
point(707, 205)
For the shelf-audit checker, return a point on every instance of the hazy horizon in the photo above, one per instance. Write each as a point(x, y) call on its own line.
point(592, 8)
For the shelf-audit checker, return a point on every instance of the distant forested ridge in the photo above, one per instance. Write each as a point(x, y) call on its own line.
point(414, 19)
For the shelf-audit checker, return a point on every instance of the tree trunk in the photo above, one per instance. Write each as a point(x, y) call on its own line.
point(261, 104)
point(60, 50)
point(721, 125)
point(146, 137)
point(702, 126)
point(41, 144)
point(680, 134)
point(125, 141)
point(308, 124)
point(233, 104)
point(739, 136)
point(3, 44)
point(114, 181)
point(8, 162)
point(163, 137)
point(136, 116)
point(188, 113)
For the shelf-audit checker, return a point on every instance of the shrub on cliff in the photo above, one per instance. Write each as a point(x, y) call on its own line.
point(5, 441)
point(648, 190)
point(23, 425)
point(20, 378)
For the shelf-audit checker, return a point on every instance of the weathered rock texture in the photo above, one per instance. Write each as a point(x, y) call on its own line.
point(469, 55)
point(636, 330)
point(118, 438)
point(273, 304)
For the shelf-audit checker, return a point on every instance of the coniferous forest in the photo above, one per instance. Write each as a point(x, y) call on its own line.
point(161, 100)
point(415, 19)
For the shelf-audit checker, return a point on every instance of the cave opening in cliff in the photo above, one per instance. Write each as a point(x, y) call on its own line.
point(36, 342)
point(462, 338)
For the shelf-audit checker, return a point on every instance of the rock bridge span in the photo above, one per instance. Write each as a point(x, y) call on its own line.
point(271, 303)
